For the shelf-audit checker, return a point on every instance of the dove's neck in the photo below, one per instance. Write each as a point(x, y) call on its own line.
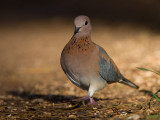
point(79, 45)
point(80, 37)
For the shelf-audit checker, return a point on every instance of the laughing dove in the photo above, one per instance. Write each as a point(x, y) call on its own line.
point(88, 65)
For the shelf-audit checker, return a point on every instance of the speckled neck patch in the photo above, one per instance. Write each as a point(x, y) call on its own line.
point(81, 45)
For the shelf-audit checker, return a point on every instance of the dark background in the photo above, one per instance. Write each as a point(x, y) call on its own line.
point(141, 12)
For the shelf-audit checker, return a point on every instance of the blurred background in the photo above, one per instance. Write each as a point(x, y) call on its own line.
point(33, 34)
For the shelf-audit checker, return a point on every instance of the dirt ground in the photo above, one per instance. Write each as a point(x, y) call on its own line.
point(33, 85)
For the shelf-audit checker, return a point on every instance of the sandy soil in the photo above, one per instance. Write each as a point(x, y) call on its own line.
point(33, 85)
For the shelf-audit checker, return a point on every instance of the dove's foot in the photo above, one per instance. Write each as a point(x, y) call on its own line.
point(92, 102)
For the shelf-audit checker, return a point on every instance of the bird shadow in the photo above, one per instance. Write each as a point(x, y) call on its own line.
point(50, 98)
point(57, 99)
point(147, 92)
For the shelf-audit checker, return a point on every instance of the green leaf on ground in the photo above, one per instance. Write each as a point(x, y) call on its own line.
point(157, 98)
point(144, 69)
point(155, 95)
point(154, 116)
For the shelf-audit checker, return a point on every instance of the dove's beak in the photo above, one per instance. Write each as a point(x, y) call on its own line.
point(76, 29)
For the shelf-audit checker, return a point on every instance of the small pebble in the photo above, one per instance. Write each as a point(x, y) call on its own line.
point(94, 108)
point(47, 113)
point(38, 100)
point(27, 102)
point(70, 105)
point(14, 109)
point(72, 116)
point(95, 114)
point(123, 113)
point(133, 117)
point(12, 103)
point(9, 115)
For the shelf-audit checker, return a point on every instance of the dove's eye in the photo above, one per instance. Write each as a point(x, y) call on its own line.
point(86, 22)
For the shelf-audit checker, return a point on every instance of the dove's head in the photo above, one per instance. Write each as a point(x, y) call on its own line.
point(82, 25)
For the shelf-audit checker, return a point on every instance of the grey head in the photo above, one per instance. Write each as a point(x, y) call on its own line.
point(82, 25)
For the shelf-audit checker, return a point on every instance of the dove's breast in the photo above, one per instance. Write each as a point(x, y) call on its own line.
point(80, 58)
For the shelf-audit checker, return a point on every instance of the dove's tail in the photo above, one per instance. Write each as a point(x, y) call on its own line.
point(129, 83)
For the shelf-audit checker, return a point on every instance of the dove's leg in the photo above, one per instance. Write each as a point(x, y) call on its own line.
point(92, 102)
point(90, 93)
point(89, 96)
